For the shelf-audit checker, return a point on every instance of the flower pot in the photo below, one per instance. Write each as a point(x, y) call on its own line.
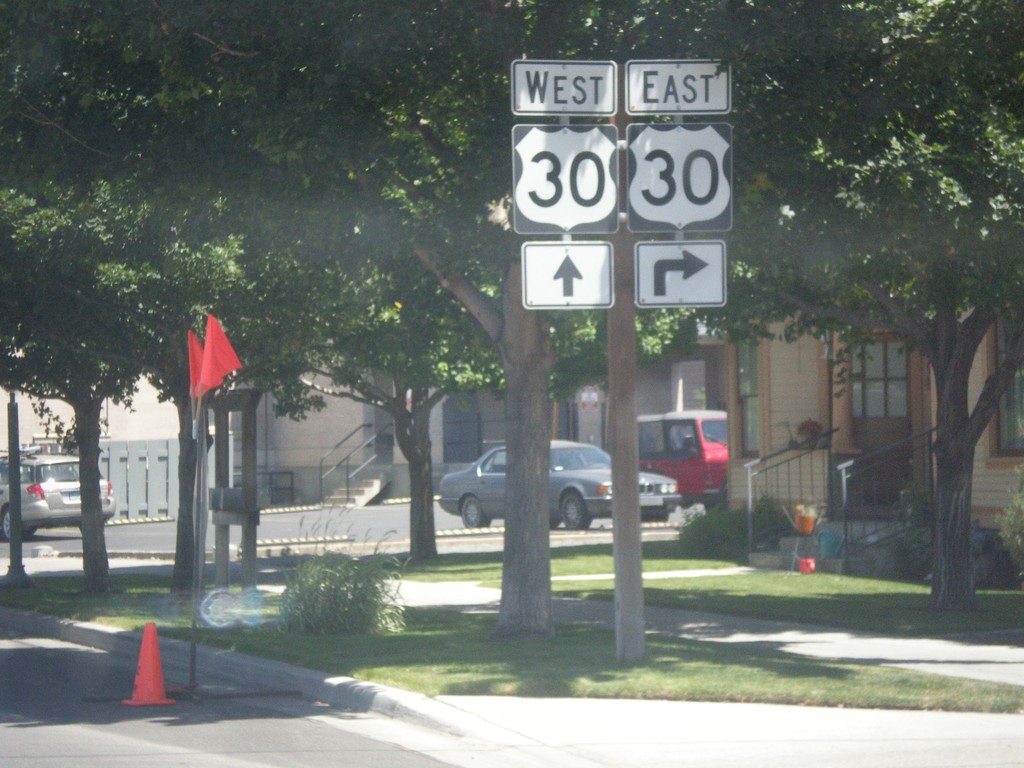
point(805, 523)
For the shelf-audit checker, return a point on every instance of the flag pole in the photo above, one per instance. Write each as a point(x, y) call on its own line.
point(199, 510)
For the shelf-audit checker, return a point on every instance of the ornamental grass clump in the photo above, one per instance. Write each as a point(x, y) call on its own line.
point(336, 594)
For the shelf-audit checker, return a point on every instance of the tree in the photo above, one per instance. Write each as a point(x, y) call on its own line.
point(52, 337)
point(882, 150)
point(296, 121)
point(394, 340)
point(93, 96)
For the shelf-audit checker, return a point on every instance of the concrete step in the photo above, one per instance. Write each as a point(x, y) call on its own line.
point(358, 495)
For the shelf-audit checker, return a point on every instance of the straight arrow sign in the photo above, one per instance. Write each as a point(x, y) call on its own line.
point(687, 273)
point(567, 275)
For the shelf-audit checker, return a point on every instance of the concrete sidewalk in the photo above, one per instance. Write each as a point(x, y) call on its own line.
point(997, 659)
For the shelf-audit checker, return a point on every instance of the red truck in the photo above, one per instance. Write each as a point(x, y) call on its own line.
point(690, 446)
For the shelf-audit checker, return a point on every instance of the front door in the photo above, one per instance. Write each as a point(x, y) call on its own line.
point(879, 388)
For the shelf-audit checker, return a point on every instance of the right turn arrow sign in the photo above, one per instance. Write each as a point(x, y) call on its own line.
point(689, 265)
point(680, 273)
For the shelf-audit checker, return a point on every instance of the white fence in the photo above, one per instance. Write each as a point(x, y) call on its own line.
point(144, 475)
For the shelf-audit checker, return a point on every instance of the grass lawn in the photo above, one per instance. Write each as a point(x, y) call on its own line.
point(446, 652)
point(485, 567)
point(869, 605)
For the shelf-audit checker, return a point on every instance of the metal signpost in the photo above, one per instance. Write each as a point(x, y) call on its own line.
point(565, 182)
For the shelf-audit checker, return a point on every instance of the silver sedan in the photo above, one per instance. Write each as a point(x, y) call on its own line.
point(580, 488)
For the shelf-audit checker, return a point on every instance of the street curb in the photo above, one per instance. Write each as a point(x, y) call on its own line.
point(229, 667)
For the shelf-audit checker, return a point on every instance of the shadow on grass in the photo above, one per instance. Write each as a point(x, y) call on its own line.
point(838, 602)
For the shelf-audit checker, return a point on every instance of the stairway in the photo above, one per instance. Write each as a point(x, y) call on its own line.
point(360, 493)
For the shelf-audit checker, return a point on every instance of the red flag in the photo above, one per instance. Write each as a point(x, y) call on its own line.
point(195, 363)
point(219, 358)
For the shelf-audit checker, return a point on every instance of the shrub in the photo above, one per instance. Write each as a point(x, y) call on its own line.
point(337, 594)
point(912, 554)
point(721, 534)
point(1011, 528)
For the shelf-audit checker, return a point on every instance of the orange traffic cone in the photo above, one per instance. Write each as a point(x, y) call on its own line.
point(149, 679)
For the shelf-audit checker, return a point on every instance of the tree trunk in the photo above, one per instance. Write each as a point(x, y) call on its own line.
point(412, 431)
point(184, 554)
point(528, 359)
point(523, 339)
point(94, 547)
point(953, 349)
point(952, 575)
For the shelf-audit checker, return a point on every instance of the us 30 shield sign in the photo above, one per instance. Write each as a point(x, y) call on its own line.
point(565, 179)
point(680, 177)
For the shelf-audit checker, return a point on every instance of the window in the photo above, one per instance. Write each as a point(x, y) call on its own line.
point(495, 464)
point(879, 380)
point(750, 409)
point(1011, 408)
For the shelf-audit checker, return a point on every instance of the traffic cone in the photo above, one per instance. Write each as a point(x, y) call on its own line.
point(149, 678)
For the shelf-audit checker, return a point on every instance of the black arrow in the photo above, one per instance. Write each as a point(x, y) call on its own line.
point(689, 265)
point(567, 273)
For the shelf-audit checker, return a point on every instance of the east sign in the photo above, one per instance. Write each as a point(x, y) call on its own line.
point(687, 87)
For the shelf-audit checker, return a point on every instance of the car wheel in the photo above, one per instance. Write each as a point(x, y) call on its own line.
point(472, 515)
point(574, 512)
point(5, 525)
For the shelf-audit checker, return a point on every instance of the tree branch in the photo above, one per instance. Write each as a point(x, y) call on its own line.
point(223, 50)
point(480, 306)
point(37, 116)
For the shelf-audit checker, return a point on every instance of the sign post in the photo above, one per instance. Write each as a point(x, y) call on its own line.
point(565, 182)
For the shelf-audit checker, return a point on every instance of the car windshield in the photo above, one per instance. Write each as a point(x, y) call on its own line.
point(579, 457)
point(715, 431)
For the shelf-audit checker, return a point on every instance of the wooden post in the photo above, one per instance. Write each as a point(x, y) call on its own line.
point(627, 551)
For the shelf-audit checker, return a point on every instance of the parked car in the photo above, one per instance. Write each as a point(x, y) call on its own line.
point(580, 488)
point(690, 446)
point(51, 494)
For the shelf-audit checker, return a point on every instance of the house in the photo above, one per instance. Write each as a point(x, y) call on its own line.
point(874, 396)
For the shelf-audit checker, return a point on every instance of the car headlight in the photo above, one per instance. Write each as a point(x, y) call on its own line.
point(604, 489)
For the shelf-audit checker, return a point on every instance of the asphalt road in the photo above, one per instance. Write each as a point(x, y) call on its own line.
point(303, 529)
point(62, 704)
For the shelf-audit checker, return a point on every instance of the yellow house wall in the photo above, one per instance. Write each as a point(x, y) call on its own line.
point(794, 387)
point(995, 476)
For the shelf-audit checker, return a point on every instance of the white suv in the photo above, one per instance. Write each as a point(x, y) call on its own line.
point(51, 494)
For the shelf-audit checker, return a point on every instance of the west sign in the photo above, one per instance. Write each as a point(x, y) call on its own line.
point(563, 87)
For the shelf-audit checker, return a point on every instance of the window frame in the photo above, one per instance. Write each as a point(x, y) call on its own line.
point(862, 378)
point(748, 392)
point(1001, 448)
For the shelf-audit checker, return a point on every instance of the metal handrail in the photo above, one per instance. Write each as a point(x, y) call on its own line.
point(340, 443)
point(349, 474)
point(796, 451)
point(847, 469)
